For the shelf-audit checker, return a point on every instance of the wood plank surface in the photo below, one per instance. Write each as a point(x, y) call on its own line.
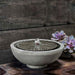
point(16, 14)
point(60, 67)
point(7, 37)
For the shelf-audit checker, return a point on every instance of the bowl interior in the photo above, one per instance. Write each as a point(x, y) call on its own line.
point(30, 45)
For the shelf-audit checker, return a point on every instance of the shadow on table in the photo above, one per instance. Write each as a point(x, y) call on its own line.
point(72, 58)
point(43, 71)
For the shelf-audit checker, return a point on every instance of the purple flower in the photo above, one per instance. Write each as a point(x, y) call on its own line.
point(68, 41)
point(58, 35)
point(71, 40)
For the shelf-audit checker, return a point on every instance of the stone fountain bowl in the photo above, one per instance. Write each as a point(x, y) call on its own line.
point(24, 51)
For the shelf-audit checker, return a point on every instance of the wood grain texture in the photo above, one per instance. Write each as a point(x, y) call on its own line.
point(7, 37)
point(60, 67)
point(6, 56)
point(33, 13)
point(22, 14)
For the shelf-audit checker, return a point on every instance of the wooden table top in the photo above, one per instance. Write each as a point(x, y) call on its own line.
point(60, 67)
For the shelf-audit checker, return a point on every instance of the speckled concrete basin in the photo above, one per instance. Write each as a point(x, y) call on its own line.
point(35, 58)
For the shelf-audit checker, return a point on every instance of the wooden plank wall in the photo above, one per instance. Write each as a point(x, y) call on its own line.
point(7, 37)
point(17, 15)
point(35, 13)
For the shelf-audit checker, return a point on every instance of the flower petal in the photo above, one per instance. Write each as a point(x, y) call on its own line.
point(73, 42)
point(71, 37)
point(62, 32)
point(74, 48)
point(67, 47)
point(53, 35)
point(70, 51)
point(57, 32)
point(63, 42)
point(54, 39)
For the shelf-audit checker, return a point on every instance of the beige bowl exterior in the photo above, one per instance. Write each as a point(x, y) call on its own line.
point(36, 59)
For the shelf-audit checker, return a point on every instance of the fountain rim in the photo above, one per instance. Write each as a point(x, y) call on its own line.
point(60, 48)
